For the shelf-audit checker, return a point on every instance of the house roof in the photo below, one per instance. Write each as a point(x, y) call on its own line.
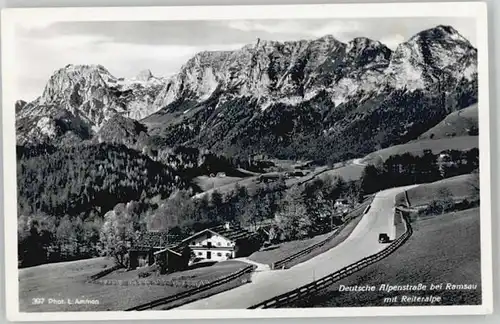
point(155, 240)
point(141, 248)
point(233, 234)
point(169, 250)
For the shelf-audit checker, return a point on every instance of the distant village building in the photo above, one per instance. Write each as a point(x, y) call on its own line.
point(304, 166)
point(295, 174)
point(222, 242)
point(341, 203)
point(265, 178)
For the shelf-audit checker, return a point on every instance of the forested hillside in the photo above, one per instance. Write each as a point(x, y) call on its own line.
point(79, 179)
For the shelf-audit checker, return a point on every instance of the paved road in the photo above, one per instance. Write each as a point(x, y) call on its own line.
point(362, 242)
point(260, 266)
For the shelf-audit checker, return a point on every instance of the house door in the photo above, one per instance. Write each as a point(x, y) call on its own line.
point(209, 255)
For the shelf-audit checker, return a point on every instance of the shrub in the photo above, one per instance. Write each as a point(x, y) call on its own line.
point(144, 274)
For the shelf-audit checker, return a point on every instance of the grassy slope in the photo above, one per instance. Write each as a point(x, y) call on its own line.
point(459, 187)
point(339, 238)
point(67, 280)
point(455, 124)
point(348, 172)
point(251, 183)
point(207, 183)
point(443, 249)
point(437, 146)
point(285, 249)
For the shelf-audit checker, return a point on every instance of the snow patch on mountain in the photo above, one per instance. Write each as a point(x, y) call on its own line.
point(46, 126)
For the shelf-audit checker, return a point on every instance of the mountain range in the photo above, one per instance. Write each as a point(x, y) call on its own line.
point(320, 99)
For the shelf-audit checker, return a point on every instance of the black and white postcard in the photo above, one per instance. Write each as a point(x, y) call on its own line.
point(246, 162)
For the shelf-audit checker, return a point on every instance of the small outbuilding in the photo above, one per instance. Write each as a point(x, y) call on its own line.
point(173, 258)
point(142, 252)
point(140, 257)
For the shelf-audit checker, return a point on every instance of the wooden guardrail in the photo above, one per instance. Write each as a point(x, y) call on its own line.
point(281, 264)
point(192, 292)
point(314, 287)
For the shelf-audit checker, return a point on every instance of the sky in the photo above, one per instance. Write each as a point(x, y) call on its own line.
point(127, 47)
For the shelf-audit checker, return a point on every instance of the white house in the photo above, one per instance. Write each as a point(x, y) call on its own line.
point(222, 243)
point(341, 203)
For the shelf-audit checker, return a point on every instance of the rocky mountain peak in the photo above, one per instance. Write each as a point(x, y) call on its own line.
point(266, 73)
point(439, 33)
point(20, 105)
point(434, 54)
point(360, 43)
point(365, 52)
point(328, 39)
point(85, 67)
point(73, 79)
point(84, 97)
point(326, 44)
point(445, 37)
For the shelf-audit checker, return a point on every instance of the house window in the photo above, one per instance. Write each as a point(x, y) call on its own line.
point(219, 254)
point(218, 243)
point(193, 243)
point(199, 253)
point(228, 243)
point(228, 254)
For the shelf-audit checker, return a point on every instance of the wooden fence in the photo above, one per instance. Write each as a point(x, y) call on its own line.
point(318, 285)
point(104, 272)
point(191, 292)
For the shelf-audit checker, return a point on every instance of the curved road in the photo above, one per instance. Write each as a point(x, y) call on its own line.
point(362, 242)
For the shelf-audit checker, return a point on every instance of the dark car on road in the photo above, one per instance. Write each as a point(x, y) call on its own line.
point(383, 238)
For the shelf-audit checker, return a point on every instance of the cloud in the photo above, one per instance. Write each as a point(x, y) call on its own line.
point(340, 30)
point(272, 26)
point(392, 41)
